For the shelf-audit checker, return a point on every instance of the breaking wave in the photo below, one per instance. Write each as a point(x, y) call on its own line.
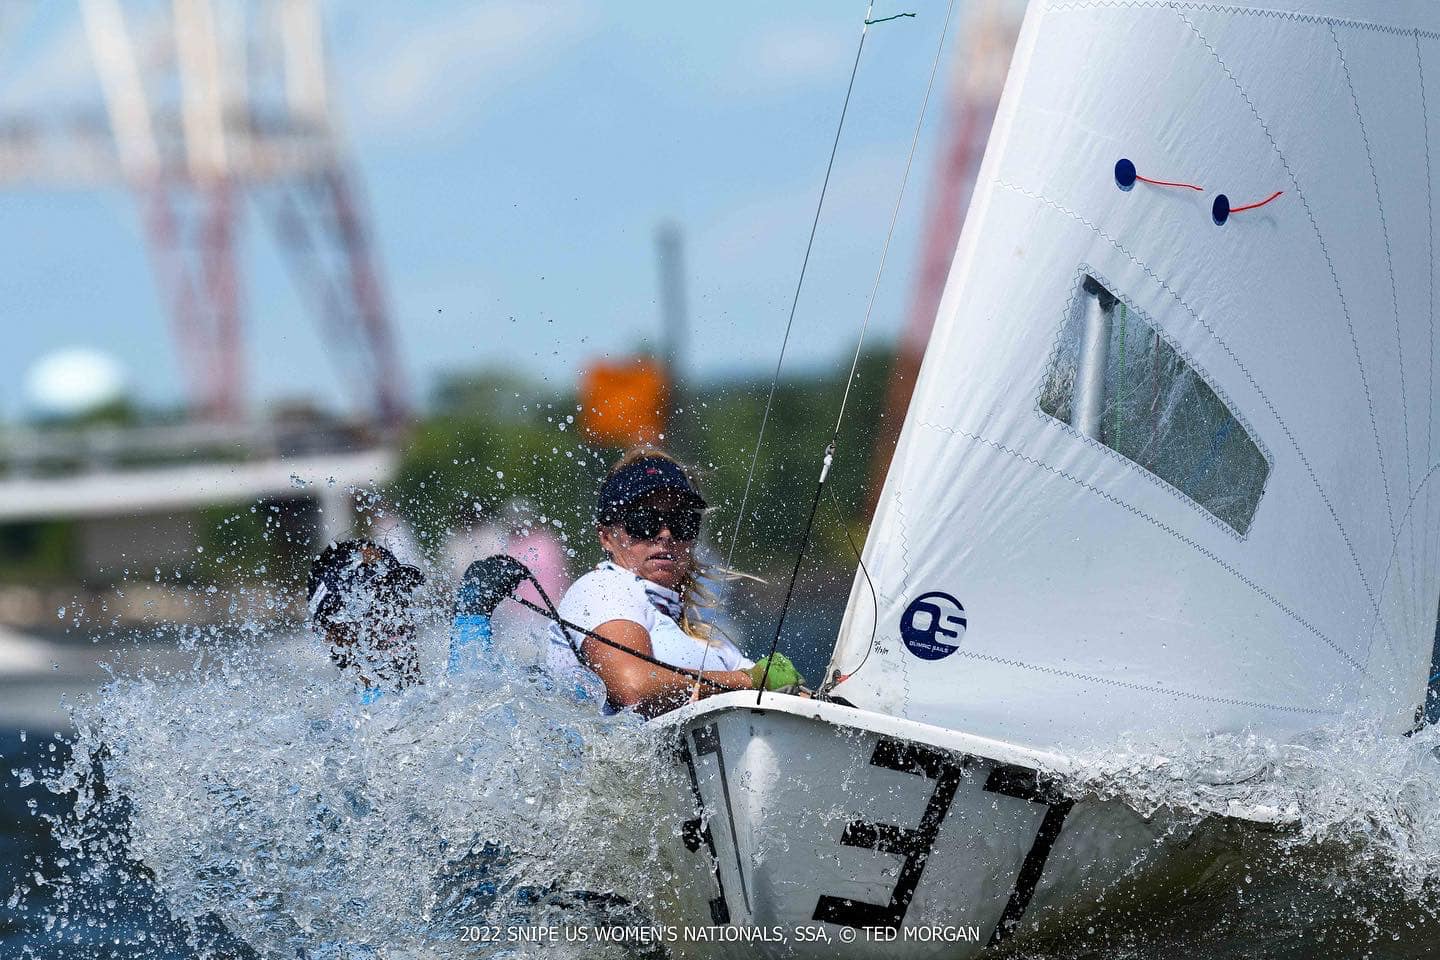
point(263, 799)
point(1338, 854)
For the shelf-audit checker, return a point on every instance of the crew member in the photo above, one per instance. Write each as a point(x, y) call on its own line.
point(647, 597)
point(361, 600)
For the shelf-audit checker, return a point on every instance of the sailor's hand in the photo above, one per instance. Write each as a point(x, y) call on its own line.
point(486, 583)
point(782, 673)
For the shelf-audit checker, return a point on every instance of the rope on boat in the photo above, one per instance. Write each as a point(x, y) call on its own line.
point(837, 677)
point(1125, 177)
point(830, 448)
point(795, 300)
point(886, 19)
point(550, 612)
point(789, 323)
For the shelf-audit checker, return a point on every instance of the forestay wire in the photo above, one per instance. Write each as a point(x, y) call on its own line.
point(829, 456)
point(794, 304)
point(795, 300)
point(894, 215)
point(789, 323)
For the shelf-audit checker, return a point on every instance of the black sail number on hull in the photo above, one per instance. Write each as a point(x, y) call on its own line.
point(915, 844)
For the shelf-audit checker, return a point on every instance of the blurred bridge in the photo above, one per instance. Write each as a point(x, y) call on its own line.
point(133, 491)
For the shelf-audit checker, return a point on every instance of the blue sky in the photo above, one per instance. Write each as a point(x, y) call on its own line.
point(517, 156)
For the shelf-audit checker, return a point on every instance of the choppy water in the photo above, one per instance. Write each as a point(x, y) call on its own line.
point(1350, 868)
point(249, 806)
point(257, 795)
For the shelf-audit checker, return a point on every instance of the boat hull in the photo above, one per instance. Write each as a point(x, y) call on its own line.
point(817, 830)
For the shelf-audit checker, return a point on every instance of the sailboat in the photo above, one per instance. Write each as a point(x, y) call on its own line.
point(1169, 472)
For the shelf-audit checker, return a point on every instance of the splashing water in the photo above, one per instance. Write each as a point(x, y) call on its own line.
point(264, 799)
point(1372, 793)
point(261, 794)
point(1348, 864)
point(272, 812)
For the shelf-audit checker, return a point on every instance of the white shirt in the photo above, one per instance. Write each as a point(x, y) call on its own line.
point(610, 592)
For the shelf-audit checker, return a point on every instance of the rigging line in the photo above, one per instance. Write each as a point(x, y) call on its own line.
point(794, 304)
point(795, 301)
point(836, 678)
point(1256, 206)
point(795, 573)
point(855, 362)
point(895, 214)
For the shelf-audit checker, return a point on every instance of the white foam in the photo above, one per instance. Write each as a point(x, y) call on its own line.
point(267, 796)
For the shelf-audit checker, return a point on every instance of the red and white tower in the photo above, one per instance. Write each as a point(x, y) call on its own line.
point(209, 104)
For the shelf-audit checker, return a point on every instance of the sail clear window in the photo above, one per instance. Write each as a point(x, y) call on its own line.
point(1116, 380)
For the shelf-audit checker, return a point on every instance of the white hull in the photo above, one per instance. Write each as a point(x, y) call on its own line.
point(818, 817)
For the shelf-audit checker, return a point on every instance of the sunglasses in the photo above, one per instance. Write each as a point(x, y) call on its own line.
point(645, 523)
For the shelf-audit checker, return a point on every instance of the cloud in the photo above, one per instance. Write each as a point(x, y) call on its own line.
point(422, 76)
point(785, 57)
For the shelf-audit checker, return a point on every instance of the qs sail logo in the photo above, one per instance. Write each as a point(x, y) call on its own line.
point(933, 625)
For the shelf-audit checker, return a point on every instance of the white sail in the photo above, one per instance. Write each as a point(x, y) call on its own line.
point(1247, 537)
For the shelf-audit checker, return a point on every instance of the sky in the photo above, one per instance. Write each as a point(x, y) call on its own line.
point(516, 157)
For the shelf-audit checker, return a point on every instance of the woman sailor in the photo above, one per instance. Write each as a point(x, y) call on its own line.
point(646, 596)
point(361, 604)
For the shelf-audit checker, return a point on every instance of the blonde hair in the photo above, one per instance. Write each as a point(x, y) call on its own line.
point(695, 596)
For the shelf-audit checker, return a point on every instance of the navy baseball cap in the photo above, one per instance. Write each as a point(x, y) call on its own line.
point(635, 480)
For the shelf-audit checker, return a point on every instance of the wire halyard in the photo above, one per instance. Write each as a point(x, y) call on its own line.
point(794, 304)
point(830, 448)
point(795, 300)
point(895, 215)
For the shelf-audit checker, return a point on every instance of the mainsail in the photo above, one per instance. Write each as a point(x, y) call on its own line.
point(1170, 466)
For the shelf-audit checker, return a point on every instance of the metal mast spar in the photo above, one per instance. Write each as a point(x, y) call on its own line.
point(238, 107)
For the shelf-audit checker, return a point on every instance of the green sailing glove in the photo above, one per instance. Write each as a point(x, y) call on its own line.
point(782, 673)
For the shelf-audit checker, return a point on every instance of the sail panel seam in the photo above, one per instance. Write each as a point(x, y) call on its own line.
point(1389, 262)
point(1147, 688)
point(1426, 545)
point(904, 545)
point(1315, 19)
point(1164, 527)
point(905, 586)
point(1430, 260)
point(1324, 250)
point(1339, 293)
point(1394, 549)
